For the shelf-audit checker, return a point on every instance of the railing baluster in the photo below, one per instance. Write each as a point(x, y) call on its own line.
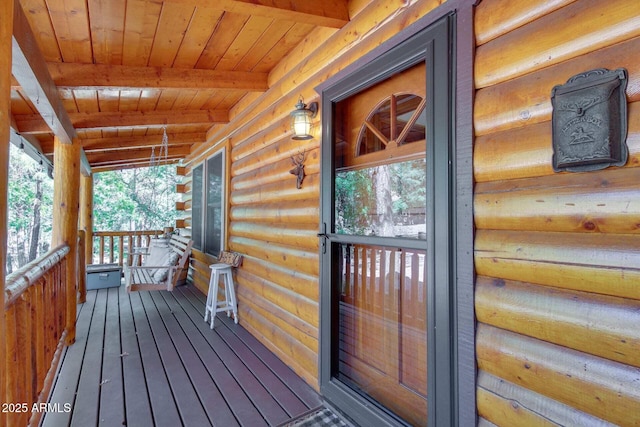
point(37, 313)
point(111, 251)
point(101, 249)
point(120, 250)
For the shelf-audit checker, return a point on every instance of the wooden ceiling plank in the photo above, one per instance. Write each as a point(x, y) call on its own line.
point(183, 99)
point(38, 16)
point(109, 100)
point(201, 28)
point(224, 35)
point(140, 27)
point(263, 44)
point(213, 102)
point(130, 100)
point(101, 76)
point(68, 99)
point(109, 132)
point(123, 132)
point(85, 100)
point(149, 99)
point(20, 104)
point(31, 139)
point(326, 13)
point(244, 41)
point(107, 30)
point(167, 100)
point(172, 26)
point(70, 19)
point(228, 100)
point(200, 99)
point(291, 40)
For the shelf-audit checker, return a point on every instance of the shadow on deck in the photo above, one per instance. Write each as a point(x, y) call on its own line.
point(149, 359)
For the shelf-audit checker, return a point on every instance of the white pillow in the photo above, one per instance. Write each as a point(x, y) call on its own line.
point(161, 274)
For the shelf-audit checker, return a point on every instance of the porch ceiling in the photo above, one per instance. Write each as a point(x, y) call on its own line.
point(124, 70)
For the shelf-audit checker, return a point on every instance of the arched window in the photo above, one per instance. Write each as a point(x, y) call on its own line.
point(397, 120)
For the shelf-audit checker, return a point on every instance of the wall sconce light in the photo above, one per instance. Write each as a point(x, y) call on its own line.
point(301, 119)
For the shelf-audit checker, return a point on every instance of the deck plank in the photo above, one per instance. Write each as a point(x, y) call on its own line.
point(112, 388)
point(149, 359)
point(163, 406)
point(66, 384)
point(189, 406)
point(237, 399)
point(196, 356)
point(88, 397)
point(268, 407)
point(285, 397)
point(137, 404)
point(209, 397)
point(295, 384)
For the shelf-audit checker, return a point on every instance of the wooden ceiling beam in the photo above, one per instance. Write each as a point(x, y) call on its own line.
point(331, 13)
point(138, 154)
point(33, 123)
point(125, 142)
point(118, 77)
point(30, 71)
point(91, 145)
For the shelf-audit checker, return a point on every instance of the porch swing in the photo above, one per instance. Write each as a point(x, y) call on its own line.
point(163, 264)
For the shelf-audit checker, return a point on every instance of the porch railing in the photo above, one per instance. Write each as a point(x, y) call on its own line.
point(112, 247)
point(34, 312)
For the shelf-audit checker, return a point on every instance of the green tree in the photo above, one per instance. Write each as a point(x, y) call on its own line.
point(135, 199)
point(30, 201)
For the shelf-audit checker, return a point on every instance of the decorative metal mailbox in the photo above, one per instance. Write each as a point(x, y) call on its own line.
point(589, 121)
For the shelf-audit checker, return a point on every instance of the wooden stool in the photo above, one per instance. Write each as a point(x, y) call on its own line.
point(229, 304)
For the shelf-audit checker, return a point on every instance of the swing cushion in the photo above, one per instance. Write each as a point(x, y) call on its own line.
point(161, 274)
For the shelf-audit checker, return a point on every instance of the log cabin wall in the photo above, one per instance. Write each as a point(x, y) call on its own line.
point(273, 224)
point(557, 255)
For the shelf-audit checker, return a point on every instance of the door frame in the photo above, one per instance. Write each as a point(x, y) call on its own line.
point(454, 387)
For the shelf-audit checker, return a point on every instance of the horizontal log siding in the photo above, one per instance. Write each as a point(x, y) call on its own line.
point(273, 224)
point(557, 254)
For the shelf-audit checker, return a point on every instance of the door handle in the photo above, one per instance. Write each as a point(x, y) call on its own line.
point(324, 236)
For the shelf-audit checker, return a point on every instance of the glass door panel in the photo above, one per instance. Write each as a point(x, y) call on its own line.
point(383, 326)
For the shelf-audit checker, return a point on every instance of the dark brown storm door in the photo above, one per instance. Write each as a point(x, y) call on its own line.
point(385, 236)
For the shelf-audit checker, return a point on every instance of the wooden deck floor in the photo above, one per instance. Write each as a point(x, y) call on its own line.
point(149, 359)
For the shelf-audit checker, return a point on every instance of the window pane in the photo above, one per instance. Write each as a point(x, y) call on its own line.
point(196, 207)
point(387, 200)
point(380, 120)
point(214, 217)
point(406, 106)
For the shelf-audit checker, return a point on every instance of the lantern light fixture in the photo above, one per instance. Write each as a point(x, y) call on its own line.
point(301, 119)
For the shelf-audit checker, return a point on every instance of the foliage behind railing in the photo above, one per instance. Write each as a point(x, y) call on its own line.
point(34, 313)
point(113, 247)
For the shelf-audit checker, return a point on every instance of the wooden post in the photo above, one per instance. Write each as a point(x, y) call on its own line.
point(6, 34)
point(86, 215)
point(66, 205)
